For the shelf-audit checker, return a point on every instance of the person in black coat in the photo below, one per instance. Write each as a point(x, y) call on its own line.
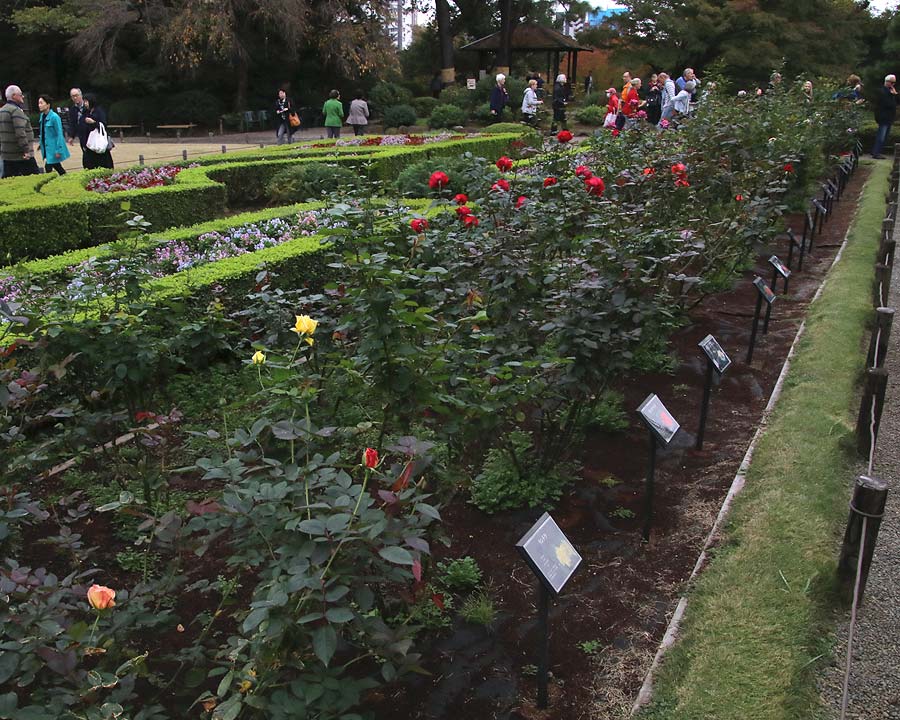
point(499, 96)
point(885, 113)
point(654, 100)
point(92, 116)
point(75, 114)
point(561, 97)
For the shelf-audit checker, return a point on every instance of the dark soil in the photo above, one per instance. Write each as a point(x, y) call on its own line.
point(625, 590)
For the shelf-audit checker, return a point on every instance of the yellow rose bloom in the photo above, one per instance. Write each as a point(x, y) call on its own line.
point(259, 358)
point(305, 325)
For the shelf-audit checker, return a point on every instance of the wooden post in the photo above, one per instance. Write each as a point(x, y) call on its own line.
point(875, 388)
point(140, 159)
point(869, 499)
point(882, 289)
point(886, 252)
point(881, 335)
point(184, 154)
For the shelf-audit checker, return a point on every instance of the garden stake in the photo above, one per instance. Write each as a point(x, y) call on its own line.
point(651, 482)
point(543, 644)
point(755, 325)
point(704, 406)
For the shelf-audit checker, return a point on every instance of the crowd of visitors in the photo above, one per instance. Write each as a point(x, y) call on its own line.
point(662, 102)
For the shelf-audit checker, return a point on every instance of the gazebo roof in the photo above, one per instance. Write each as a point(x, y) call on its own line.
point(529, 37)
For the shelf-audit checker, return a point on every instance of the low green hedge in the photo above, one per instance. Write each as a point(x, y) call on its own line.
point(48, 216)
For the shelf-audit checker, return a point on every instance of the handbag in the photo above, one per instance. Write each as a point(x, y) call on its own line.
point(294, 119)
point(98, 140)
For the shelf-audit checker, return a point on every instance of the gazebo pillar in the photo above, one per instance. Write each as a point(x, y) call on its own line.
point(574, 77)
point(555, 65)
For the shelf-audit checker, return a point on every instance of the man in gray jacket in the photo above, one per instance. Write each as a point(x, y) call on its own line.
point(16, 136)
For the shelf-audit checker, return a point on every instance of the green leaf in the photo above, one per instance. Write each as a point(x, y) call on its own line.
point(252, 621)
point(428, 510)
point(225, 684)
point(325, 643)
point(339, 615)
point(8, 704)
point(313, 527)
point(396, 555)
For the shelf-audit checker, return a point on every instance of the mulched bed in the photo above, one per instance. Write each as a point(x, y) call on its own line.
point(625, 590)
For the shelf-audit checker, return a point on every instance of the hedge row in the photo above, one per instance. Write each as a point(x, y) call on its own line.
point(47, 216)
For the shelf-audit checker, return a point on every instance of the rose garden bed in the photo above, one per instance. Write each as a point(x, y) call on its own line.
point(491, 356)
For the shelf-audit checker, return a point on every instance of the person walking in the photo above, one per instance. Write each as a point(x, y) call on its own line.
point(612, 107)
point(530, 103)
point(16, 136)
point(885, 113)
point(668, 97)
point(499, 96)
point(589, 83)
point(333, 110)
point(560, 100)
point(284, 107)
point(76, 113)
point(51, 139)
point(653, 104)
point(94, 116)
point(358, 116)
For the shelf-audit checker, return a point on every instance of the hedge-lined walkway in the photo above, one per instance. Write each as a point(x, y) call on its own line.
point(875, 676)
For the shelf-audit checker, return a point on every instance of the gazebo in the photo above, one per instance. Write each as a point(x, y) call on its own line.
point(535, 38)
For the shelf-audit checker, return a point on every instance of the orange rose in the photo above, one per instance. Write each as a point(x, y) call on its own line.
point(101, 597)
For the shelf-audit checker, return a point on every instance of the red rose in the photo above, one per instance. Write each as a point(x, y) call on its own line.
point(583, 171)
point(595, 186)
point(548, 181)
point(470, 221)
point(460, 199)
point(370, 458)
point(521, 201)
point(504, 164)
point(564, 136)
point(739, 197)
point(789, 167)
point(418, 225)
point(615, 132)
point(649, 171)
point(463, 210)
point(438, 180)
point(679, 169)
point(682, 182)
point(501, 185)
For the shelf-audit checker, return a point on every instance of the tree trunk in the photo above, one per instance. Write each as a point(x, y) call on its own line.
point(504, 53)
point(448, 72)
point(243, 84)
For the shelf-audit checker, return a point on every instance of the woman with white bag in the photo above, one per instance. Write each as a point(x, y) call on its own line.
point(96, 144)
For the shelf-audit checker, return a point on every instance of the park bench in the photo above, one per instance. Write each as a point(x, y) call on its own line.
point(177, 128)
point(121, 129)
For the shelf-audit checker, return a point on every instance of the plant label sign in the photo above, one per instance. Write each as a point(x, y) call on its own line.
point(658, 419)
point(820, 207)
point(549, 553)
point(764, 290)
point(470, 84)
point(780, 267)
point(717, 356)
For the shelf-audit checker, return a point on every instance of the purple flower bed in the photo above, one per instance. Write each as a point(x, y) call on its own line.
point(136, 179)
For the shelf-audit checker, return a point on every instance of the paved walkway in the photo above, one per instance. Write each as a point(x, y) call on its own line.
point(875, 676)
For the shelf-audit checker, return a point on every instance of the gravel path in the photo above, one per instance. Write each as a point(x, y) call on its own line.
point(875, 676)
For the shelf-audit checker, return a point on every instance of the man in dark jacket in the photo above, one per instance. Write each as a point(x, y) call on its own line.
point(885, 112)
point(76, 117)
point(16, 136)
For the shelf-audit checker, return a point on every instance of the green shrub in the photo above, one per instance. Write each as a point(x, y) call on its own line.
point(398, 115)
point(309, 180)
point(413, 180)
point(591, 115)
point(609, 413)
point(461, 574)
point(446, 116)
point(479, 609)
point(594, 98)
point(459, 96)
point(386, 95)
point(134, 111)
point(501, 485)
point(424, 106)
point(193, 106)
point(482, 114)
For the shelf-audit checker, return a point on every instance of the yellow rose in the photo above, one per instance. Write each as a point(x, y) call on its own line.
point(259, 358)
point(305, 325)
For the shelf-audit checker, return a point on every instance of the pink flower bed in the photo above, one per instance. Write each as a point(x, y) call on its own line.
point(136, 179)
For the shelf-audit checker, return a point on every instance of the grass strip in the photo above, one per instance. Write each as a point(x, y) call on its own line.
point(757, 620)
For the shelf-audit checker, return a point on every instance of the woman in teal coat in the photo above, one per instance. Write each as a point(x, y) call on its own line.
point(333, 110)
point(52, 141)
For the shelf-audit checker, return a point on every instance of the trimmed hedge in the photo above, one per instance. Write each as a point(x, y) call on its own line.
point(43, 216)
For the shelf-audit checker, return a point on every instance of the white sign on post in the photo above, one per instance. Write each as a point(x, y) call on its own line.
point(470, 83)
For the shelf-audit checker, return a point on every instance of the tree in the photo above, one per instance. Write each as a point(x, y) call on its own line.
point(445, 36)
point(750, 38)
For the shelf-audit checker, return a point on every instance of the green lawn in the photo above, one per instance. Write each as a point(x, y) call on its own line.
point(756, 624)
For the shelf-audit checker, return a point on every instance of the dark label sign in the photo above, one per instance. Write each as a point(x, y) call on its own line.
point(658, 419)
point(717, 356)
point(549, 553)
point(779, 266)
point(764, 290)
